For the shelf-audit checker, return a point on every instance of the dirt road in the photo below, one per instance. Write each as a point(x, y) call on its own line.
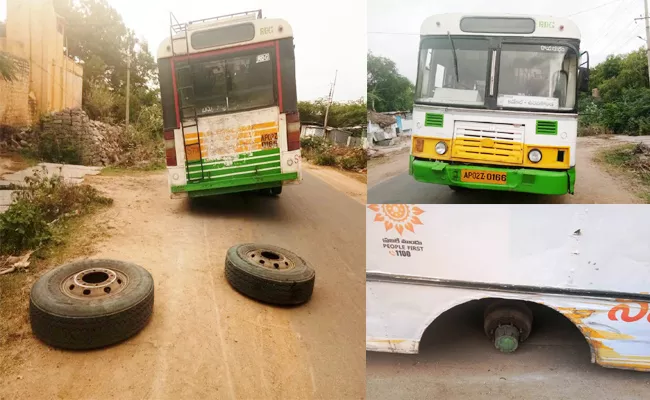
point(389, 182)
point(456, 361)
point(204, 339)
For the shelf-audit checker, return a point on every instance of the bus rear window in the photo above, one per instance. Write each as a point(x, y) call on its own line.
point(230, 84)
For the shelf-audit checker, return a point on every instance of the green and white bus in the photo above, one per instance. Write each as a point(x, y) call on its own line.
point(228, 91)
point(496, 103)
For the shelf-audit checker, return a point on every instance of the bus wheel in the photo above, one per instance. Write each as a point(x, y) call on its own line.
point(91, 303)
point(507, 324)
point(269, 274)
point(275, 191)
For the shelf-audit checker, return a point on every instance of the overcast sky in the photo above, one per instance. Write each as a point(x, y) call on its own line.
point(328, 35)
point(606, 26)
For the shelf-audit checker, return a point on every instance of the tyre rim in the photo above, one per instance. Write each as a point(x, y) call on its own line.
point(93, 283)
point(269, 259)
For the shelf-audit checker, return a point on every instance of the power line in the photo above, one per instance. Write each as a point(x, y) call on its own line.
point(626, 32)
point(594, 8)
point(612, 22)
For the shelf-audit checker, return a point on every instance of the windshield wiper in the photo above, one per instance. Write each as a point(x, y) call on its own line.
point(453, 48)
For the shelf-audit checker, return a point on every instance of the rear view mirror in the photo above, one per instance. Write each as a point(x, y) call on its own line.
point(583, 79)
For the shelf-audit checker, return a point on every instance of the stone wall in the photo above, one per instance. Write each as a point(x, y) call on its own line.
point(14, 96)
point(98, 143)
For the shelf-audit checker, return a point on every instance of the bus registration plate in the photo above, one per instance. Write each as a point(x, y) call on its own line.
point(477, 176)
point(193, 152)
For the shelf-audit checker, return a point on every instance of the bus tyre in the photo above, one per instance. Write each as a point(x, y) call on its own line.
point(91, 303)
point(269, 274)
point(275, 191)
point(507, 323)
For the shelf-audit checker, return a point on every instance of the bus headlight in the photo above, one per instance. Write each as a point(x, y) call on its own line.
point(441, 148)
point(535, 156)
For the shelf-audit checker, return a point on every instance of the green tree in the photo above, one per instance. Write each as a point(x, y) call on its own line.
point(387, 89)
point(97, 36)
point(623, 105)
point(341, 114)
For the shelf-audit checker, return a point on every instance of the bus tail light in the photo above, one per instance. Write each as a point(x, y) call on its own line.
point(293, 131)
point(170, 148)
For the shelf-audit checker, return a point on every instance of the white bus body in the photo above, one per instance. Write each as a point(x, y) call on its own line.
point(228, 90)
point(590, 263)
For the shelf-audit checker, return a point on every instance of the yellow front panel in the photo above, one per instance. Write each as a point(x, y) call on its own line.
point(549, 157)
point(487, 150)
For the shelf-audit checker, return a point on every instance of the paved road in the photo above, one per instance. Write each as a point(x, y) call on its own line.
point(456, 361)
point(389, 182)
point(205, 341)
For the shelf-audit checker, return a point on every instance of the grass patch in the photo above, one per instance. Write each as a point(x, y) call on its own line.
point(321, 151)
point(633, 161)
point(137, 170)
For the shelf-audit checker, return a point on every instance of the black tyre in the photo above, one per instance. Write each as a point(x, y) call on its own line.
point(269, 274)
point(91, 303)
point(275, 191)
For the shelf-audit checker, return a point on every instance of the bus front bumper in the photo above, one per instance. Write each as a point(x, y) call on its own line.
point(212, 187)
point(524, 180)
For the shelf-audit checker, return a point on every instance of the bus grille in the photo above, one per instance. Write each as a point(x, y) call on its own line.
point(488, 142)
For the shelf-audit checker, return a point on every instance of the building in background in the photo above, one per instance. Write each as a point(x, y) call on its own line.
point(46, 80)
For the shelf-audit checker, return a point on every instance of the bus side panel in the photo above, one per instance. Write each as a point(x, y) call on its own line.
point(587, 247)
point(397, 314)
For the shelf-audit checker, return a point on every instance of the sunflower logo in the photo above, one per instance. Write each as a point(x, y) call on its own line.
point(398, 216)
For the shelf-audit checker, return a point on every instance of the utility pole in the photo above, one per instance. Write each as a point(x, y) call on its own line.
point(329, 103)
point(647, 35)
point(128, 87)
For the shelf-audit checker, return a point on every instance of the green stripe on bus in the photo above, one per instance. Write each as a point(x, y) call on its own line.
point(242, 156)
point(237, 163)
point(236, 181)
point(246, 168)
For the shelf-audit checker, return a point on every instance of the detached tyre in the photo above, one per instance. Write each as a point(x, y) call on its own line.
point(91, 303)
point(269, 274)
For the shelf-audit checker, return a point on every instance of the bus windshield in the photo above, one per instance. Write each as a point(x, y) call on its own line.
point(528, 76)
point(229, 84)
point(537, 76)
point(437, 80)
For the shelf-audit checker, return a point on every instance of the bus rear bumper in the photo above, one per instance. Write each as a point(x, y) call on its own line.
point(233, 185)
point(524, 180)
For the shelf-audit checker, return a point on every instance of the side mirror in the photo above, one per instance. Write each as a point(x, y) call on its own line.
point(583, 77)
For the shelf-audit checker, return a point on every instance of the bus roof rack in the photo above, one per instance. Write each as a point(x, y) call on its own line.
point(178, 27)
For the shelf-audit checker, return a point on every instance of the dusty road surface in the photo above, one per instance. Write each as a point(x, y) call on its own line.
point(206, 341)
point(389, 182)
point(457, 361)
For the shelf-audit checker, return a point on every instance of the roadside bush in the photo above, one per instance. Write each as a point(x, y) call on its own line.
point(321, 151)
point(55, 148)
point(142, 149)
point(593, 130)
point(327, 159)
point(38, 206)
